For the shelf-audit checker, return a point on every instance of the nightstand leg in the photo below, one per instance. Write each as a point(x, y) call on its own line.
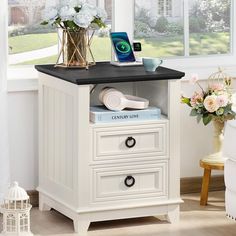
point(205, 187)
point(42, 204)
point(173, 214)
point(81, 226)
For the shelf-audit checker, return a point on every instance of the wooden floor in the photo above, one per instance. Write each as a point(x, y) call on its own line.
point(195, 221)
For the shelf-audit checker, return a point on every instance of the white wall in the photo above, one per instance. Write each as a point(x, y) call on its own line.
point(196, 140)
point(23, 137)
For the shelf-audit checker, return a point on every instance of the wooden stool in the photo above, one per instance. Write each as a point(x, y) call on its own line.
point(206, 179)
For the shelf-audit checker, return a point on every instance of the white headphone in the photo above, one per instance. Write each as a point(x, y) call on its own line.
point(116, 101)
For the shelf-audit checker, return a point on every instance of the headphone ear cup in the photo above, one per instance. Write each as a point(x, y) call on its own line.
point(114, 100)
point(103, 92)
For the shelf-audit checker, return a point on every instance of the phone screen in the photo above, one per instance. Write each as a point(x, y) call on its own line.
point(122, 46)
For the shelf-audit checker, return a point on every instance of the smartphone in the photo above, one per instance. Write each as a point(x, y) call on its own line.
point(122, 47)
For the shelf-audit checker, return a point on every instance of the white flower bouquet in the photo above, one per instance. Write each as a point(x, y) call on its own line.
point(214, 103)
point(74, 15)
point(75, 18)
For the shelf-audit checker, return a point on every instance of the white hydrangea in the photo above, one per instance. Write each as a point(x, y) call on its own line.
point(72, 3)
point(67, 13)
point(89, 9)
point(83, 19)
point(101, 13)
point(50, 14)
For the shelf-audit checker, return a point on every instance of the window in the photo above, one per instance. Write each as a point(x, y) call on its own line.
point(101, 46)
point(31, 43)
point(209, 27)
point(160, 32)
point(11, 223)
point(165, 8)
point(24, 222)
point(182, 30)
point(160, 26)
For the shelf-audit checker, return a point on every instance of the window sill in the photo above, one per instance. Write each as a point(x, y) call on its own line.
point(22, 79)
point(21, 85)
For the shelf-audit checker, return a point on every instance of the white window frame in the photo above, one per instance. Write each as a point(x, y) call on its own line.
point(186, 62)
point(3, 45)
point(123, 20)
point(165, 9)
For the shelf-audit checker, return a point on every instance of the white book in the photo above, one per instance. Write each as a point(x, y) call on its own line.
point(100, 114)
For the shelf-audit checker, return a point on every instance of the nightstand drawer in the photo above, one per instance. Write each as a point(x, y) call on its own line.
point(128, 182)
point(118, 143)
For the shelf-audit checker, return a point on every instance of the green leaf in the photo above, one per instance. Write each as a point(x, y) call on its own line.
point(71, 25)
point(44, 23)
point(199, 117)
point(77, 9)
point(194, 112)
point(186, 101)
point(206, 119)
point(99, 22)
point(57, 21)
point(227, 108)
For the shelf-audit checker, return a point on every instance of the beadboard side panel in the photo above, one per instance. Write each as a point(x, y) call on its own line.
point(58, 134)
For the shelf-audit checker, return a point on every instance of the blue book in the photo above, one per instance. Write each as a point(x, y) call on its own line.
point(100, 114)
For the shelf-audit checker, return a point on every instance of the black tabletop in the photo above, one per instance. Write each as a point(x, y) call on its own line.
point(104, 72)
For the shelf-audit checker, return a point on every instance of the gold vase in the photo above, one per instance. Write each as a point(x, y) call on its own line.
point(75, 49)
point(218, 136)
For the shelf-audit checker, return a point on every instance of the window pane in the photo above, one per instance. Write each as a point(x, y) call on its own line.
point(101, 45)
point(159, 27)
point(31, 43)
point(209, 26)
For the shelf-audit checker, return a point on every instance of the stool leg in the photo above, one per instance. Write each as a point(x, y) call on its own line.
point(205, 186)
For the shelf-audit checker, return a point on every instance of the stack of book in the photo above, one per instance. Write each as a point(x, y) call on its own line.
point(100, 114)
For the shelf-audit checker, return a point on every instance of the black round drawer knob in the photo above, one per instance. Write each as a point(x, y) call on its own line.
point(130, 142)
point(129, 181)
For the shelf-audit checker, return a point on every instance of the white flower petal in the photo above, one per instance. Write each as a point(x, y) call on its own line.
point(101, 13)
point(83, 19)
point(72, 3)
point(50, 14)
point(67, 13)
point(90, 9)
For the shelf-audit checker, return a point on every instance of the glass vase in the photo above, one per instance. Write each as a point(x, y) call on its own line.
point(75, 49)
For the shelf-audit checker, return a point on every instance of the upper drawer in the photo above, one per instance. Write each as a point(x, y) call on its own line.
point(125, 142)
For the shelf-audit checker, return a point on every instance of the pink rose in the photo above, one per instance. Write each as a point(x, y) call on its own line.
point(194, 78)
point(222, 100)
point(196, 99)
point(216, 87)
point(211, 103)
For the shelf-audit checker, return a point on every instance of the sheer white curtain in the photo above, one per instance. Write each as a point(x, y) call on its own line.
point(4, 154)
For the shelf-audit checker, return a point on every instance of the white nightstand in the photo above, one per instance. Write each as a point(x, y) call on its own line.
point(88, 172)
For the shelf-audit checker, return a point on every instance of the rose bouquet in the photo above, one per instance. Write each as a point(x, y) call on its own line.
point(213, 103)
point(74, 15)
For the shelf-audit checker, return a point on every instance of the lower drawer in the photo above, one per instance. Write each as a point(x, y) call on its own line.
point(130, 181)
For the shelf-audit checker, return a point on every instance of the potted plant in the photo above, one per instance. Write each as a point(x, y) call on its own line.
point(213, 104)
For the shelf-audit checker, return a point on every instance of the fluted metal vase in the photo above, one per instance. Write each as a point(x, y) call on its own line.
point(75, 51)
